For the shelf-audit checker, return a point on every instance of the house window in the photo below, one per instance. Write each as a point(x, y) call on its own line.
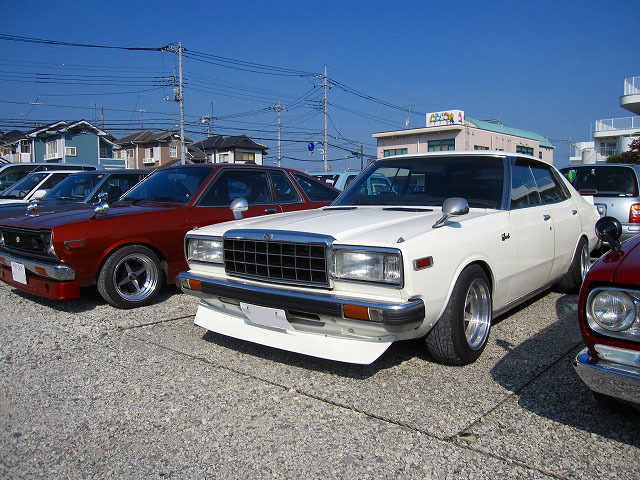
point(53, 150)
point(129, 153)
point(480, 147)
point(224, 157)
point(173, 151)
point(148, 155)
point(525, 150)
point(103, 152)
point(442, 145)
point(394, 151)
point(70, 151)
point(608, 148)
point(249, 157)
point(540, 155)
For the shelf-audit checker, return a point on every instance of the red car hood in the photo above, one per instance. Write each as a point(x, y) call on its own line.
point(49, 220)
point(628, 271)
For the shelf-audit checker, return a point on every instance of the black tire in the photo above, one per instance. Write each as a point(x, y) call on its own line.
point(447, 341)
point(130, 277)
point(572, 280)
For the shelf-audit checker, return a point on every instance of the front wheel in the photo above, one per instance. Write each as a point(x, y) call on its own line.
point(460, 335)
point(131, 277)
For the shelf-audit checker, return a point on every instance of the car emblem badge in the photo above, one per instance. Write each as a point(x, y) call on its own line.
point(267, 236)
point(17, 239)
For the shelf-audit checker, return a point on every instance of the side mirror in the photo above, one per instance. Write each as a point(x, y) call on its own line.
point(101, 209)
point(238, 206)
point(32, 209)
point(609, 230)
point(38, 194)
point(452, 207)
point(102, 197)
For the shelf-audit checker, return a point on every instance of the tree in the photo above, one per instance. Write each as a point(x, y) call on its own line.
point(630, 156)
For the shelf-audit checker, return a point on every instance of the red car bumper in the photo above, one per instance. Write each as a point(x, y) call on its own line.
point(43, 287)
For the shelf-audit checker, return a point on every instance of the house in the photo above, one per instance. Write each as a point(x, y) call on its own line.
point(77, 142)
point(15, 146)
point(233, 149)
point(451, 130)
point(147, 149)
point(612, 135)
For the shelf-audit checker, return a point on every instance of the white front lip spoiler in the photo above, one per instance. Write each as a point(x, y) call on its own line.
point(342, 349)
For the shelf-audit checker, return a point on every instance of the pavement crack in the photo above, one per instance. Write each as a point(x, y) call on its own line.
point(157, 322)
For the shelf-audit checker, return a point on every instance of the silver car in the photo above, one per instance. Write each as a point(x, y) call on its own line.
point(615, 191)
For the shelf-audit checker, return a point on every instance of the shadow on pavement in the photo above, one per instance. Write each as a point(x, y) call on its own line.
point(396, 354)
point(89, 299)
point(562, 397)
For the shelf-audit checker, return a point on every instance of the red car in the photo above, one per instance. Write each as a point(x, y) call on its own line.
point(133, 246)
point(609, 316)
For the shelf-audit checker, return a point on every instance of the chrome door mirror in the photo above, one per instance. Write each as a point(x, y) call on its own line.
point(101, 209)
point(452, 207)
point(102, 197)
point(238, 206)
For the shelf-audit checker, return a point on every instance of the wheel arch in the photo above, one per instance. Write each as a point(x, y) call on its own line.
point(131, 242)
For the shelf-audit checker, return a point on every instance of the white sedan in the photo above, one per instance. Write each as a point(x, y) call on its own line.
point(456, 239)
point(33, 187)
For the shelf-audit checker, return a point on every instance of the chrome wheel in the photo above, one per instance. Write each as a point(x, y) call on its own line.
point(585, 261)
point(477, 313)
point(135, 277)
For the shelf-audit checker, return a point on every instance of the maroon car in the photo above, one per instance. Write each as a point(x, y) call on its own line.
point(609, 315)
point(133, 246)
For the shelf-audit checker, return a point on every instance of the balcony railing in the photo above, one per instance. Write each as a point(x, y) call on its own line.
point(610, 124)
point(632, 86)
point(18, 157)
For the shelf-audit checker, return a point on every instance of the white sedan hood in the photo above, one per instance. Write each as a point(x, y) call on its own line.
point(375, 226)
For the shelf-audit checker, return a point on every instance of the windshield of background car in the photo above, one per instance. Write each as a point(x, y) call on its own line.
point(429, 182)
point(170, 185)
point(74, 187)
point(21, 188)
point(603, 181)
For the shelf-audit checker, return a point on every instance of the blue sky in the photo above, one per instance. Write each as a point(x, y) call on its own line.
point(552, 67)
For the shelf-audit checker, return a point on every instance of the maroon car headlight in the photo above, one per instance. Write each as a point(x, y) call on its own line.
point(614, 312)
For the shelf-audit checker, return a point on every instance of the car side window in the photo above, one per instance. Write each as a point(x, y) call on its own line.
point(524, 191)
point(315, 190)
point(116, 185)
point(232, 184)
point(549, 189)
point(284, 190)
point(349, 179)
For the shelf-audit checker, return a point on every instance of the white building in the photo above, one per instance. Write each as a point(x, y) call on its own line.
point(612, 135)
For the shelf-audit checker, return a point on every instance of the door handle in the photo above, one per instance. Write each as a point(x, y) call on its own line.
point(574, 212)
point(546, 217)
point(270, 210)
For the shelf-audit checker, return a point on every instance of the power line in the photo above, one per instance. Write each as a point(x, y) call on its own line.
point(16, 38)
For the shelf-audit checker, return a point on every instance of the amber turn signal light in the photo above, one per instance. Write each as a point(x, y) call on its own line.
point(357, 312)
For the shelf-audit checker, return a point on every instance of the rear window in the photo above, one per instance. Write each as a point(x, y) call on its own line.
point(603, 181)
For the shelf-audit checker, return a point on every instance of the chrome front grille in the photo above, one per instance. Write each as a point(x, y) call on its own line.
point(289, 262)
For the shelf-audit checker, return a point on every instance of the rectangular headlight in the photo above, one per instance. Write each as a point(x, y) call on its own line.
point(369, 265)
point(205, 250)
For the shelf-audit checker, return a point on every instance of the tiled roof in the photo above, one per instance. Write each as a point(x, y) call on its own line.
point(516, 132)
point(12, 136)
point(219, 142)
point(147, 136)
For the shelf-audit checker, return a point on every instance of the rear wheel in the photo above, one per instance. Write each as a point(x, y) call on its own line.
point(131, 277)
point(460, 335)
point(578, 269)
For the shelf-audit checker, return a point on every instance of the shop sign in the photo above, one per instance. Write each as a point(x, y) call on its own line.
point(449, 117)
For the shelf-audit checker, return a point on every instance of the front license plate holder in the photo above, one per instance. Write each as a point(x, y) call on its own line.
point(265, 316)
point(18, 272)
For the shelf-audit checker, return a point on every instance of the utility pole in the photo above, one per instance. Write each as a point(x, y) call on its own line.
point(326, 143)
point(178, 95)
point(279, 108)
point(361, 157)
point(102, 116)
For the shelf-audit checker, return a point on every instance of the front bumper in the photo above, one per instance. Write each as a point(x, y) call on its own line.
point(391, 316)
point(617, 374)
point(56, 282)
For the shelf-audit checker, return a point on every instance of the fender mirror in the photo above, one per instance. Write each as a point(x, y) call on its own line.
point(609, 230)
point(452, 207)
